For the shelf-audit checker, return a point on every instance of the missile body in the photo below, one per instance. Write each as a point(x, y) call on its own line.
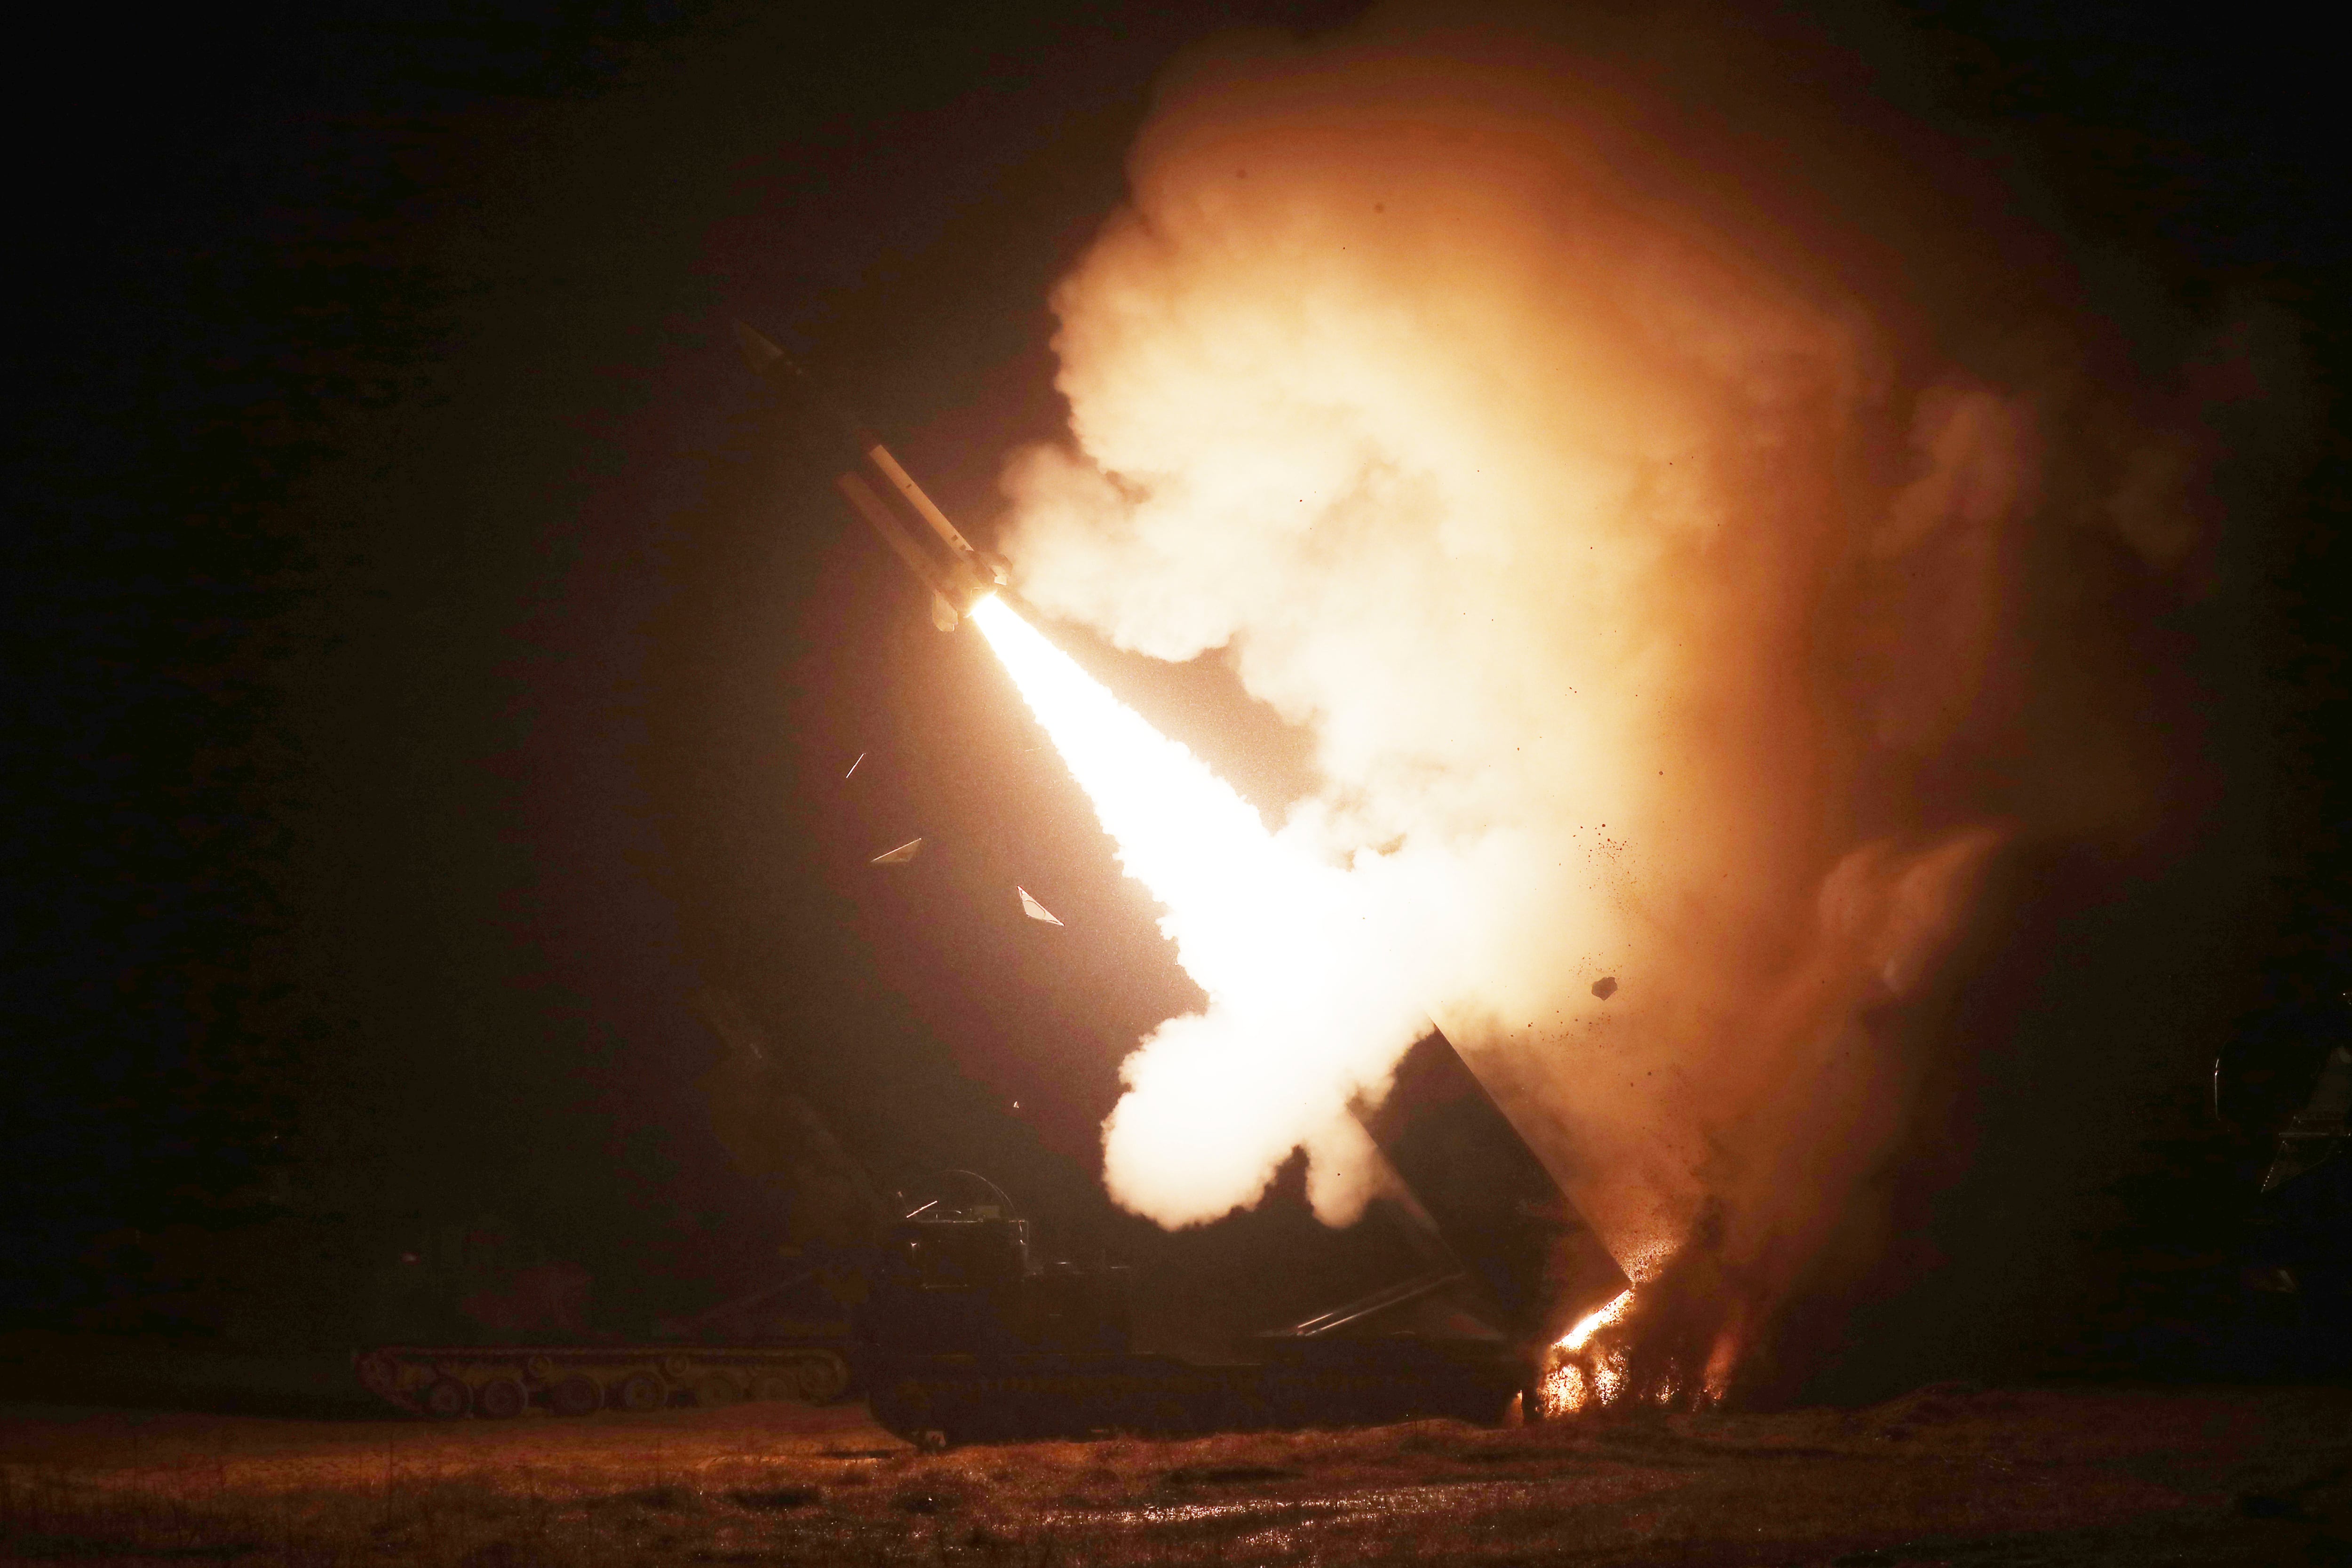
point(879, 490)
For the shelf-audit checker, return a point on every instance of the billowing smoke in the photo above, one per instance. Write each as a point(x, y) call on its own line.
point(1650, 542)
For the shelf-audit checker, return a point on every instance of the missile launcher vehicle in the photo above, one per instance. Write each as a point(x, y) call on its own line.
point(496, 1381)
point(960, 1327)
point(968, 1334)
point(791, 1339)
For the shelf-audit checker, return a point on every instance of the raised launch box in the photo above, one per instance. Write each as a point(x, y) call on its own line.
point(1530, 1259)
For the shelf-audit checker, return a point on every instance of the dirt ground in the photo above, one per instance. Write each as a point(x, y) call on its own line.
point(1943, 1476)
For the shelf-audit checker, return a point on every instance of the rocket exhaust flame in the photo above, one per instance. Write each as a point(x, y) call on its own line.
point(1181, 830)
point(1267, 930)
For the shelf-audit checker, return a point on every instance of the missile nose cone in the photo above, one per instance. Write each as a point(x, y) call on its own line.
point(758, 351)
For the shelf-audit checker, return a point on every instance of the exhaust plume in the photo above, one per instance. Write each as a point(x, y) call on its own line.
point(1652, 559)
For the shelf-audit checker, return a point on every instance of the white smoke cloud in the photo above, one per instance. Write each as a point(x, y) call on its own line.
point(1457, 384)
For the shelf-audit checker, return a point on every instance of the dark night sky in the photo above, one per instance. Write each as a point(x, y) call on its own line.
point(425, 667)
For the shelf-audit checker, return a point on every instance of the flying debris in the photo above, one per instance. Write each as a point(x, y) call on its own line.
point(959, 581)
point(853, 766)
point(1030, 907)
point(900, 856)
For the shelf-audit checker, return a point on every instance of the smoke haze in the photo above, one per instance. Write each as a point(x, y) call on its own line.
point(1651, 490)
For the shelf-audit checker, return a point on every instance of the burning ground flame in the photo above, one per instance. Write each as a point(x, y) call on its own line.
point(1582, 1373)
point(1592, 1322)
point(1602, 1360)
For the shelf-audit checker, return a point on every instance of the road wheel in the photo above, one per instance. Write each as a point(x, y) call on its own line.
point(381, 1374)
point(717, 1391)
point(641, 1392)
point(821, 1378)
point(776, 1388)
point(446, 1399)
point(501, 1399)
point(576, 1395)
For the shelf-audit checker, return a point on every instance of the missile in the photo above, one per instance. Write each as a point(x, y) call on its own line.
point(881, 492)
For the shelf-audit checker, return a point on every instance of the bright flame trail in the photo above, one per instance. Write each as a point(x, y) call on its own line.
point(1182, 831)
point(1274, 934)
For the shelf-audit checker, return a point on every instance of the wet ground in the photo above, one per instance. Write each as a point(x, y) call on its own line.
point(1946, 1475)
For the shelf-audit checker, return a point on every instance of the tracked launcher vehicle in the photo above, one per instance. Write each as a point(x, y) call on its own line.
point(806, 1360)
point(967, 1333)
point(791, 1339)
point(960, 1328)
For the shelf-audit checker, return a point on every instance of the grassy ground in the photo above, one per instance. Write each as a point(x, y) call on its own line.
point(1945, 1475)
